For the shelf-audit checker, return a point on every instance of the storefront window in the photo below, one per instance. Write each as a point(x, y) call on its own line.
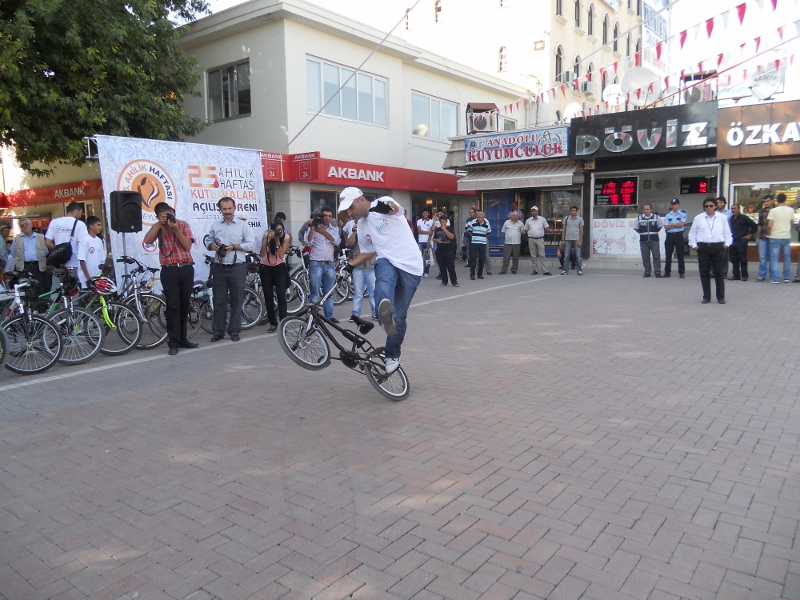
point(749, 197)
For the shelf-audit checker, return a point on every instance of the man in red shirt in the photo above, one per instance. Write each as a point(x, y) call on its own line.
point(175, 241)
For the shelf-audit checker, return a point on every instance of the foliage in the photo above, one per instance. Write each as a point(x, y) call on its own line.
point(74, 68)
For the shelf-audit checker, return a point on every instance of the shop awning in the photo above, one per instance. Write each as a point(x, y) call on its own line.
point(518, 177)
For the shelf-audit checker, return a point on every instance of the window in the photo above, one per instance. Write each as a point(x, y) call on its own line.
point(577, 13)
point(603, 82)
point(589, 85)
point(363, 97)
point(605, 29)
point(507, 124)
point(229, 91)
point(590, 20)
point(638, 45)
point(504, 3)
point(437, 9)
point(615, 45)
point(628, 46)
point(503, 65)
point(433, 118)
point(558, 116)
point(559, 8)
point(576, 67)
point(559, 64)
point(639, 7)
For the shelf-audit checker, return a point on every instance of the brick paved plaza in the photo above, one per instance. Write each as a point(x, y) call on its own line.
point(597, 437)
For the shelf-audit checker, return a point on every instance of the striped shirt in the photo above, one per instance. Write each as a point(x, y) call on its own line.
point(480, 232)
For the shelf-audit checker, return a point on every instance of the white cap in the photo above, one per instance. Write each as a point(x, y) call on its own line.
point(536, 208)
point(347, 196)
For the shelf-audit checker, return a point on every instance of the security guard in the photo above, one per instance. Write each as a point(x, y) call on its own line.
point(674, 225)
point(647, 226)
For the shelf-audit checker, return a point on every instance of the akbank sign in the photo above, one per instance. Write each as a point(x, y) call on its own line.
point(649, 131)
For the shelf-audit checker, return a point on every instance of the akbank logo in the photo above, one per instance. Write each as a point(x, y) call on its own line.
point(153, 182)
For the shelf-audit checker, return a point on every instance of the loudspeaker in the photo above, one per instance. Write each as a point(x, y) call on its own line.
point(126, 211)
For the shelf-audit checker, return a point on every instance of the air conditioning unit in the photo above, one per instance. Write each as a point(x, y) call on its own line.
point(567, 76)
point(587, 88)
point(483, 121)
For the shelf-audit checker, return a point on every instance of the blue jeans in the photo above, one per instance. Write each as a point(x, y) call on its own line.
point(774, 249)
point(322, 276)
point(573, 245)
point(398, 286)
point(363, 278)
point(426, 268)
point(763, 258)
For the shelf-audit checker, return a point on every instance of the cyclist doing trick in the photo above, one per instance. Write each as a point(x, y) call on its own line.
point(384, 232)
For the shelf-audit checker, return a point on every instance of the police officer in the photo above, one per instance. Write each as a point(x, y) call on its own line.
point(647, 226)
point(674, 225)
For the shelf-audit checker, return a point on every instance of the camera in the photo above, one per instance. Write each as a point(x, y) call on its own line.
point(170, 217)
point(316, 219)
point(221, 251)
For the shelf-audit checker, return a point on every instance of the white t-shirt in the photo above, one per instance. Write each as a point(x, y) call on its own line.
point(426, 225)
point(392, 238)
point(59, 231)
point(91, 250)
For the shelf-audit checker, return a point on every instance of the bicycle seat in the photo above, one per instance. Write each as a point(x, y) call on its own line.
point(127, 260)
point(153, 269)
point(364, 327)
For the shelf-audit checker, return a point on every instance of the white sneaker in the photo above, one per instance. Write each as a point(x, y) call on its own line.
point(386, 314)
point(425, 275)
point(391, 365)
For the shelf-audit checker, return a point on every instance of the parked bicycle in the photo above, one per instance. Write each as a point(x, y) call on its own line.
point(252, 305)
point(80, 329)
point(149, 307)
point(305, 339)
point(295, 293)
point(33, 342)
point(122, 326)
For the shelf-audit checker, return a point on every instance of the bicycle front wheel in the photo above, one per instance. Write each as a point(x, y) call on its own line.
point(310, 349)
point(127, 330)
point(195, 322)
point(342, 293)
point(33, 346)
point(394, 386)
point(82, 333)
point(252, 308)
point(3, 348)
point(154, 316)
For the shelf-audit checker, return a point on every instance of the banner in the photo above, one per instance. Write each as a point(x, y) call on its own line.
point(511, 146)
point(188, 177)
point(618, 237)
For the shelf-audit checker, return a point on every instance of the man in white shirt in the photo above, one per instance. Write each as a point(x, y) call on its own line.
point(779, 230)
point(424, 226)
point(91, 251)
point(68, 228)
point(512, 232)
point(384, 232)
point(710, 236)
point(535, 228)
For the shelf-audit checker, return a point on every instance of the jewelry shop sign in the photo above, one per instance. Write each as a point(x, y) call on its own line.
point(759, 130)
point(513, 146)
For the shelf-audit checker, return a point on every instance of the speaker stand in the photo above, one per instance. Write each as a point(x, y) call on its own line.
point(125, 253)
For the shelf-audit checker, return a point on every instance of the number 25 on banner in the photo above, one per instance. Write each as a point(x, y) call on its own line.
point(202, 177)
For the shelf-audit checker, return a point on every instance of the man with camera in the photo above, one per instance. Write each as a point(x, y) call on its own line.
point(230, 239)
point(175, 241)
point(323, 237)
point(383, 232)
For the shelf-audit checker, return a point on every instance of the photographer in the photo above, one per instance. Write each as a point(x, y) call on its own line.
point(273, 271)
point(323, 237)
point(175, 241)
point(231, 239)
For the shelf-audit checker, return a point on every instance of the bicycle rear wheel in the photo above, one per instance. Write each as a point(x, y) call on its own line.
point(154, 316)
point(127, 331)
point(394, 386)
point(195, 322)
point(3, 348)
point(82, 333)
point(252, 308)
point(309, 350)
point(32, 347)
point(342, 293)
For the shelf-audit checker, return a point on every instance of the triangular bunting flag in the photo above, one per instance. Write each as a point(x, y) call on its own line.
point(700, 67)
point(588, 76)
point(777, 64)
point(517, 104)
point(666, 82)
point(638, 93)
point(791, 59)
point(616, 66)
point(740, 10)
point(683, 38)
point(741, 48)
point(564, 91)
point(758, 43)
point(726, 16)
point(720, 57)
point(710, 26)
point(650, 89)
point(637, 59)
point(780, 32)
point(744, 75)
point(659, 47)
point(774, 5)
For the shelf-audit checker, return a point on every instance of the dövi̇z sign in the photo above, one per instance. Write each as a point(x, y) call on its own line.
point(651, 131)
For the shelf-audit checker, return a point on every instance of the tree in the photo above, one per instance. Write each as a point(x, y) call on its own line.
point(73, 68)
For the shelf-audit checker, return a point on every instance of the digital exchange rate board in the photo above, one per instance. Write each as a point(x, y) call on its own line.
point(616, 191)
